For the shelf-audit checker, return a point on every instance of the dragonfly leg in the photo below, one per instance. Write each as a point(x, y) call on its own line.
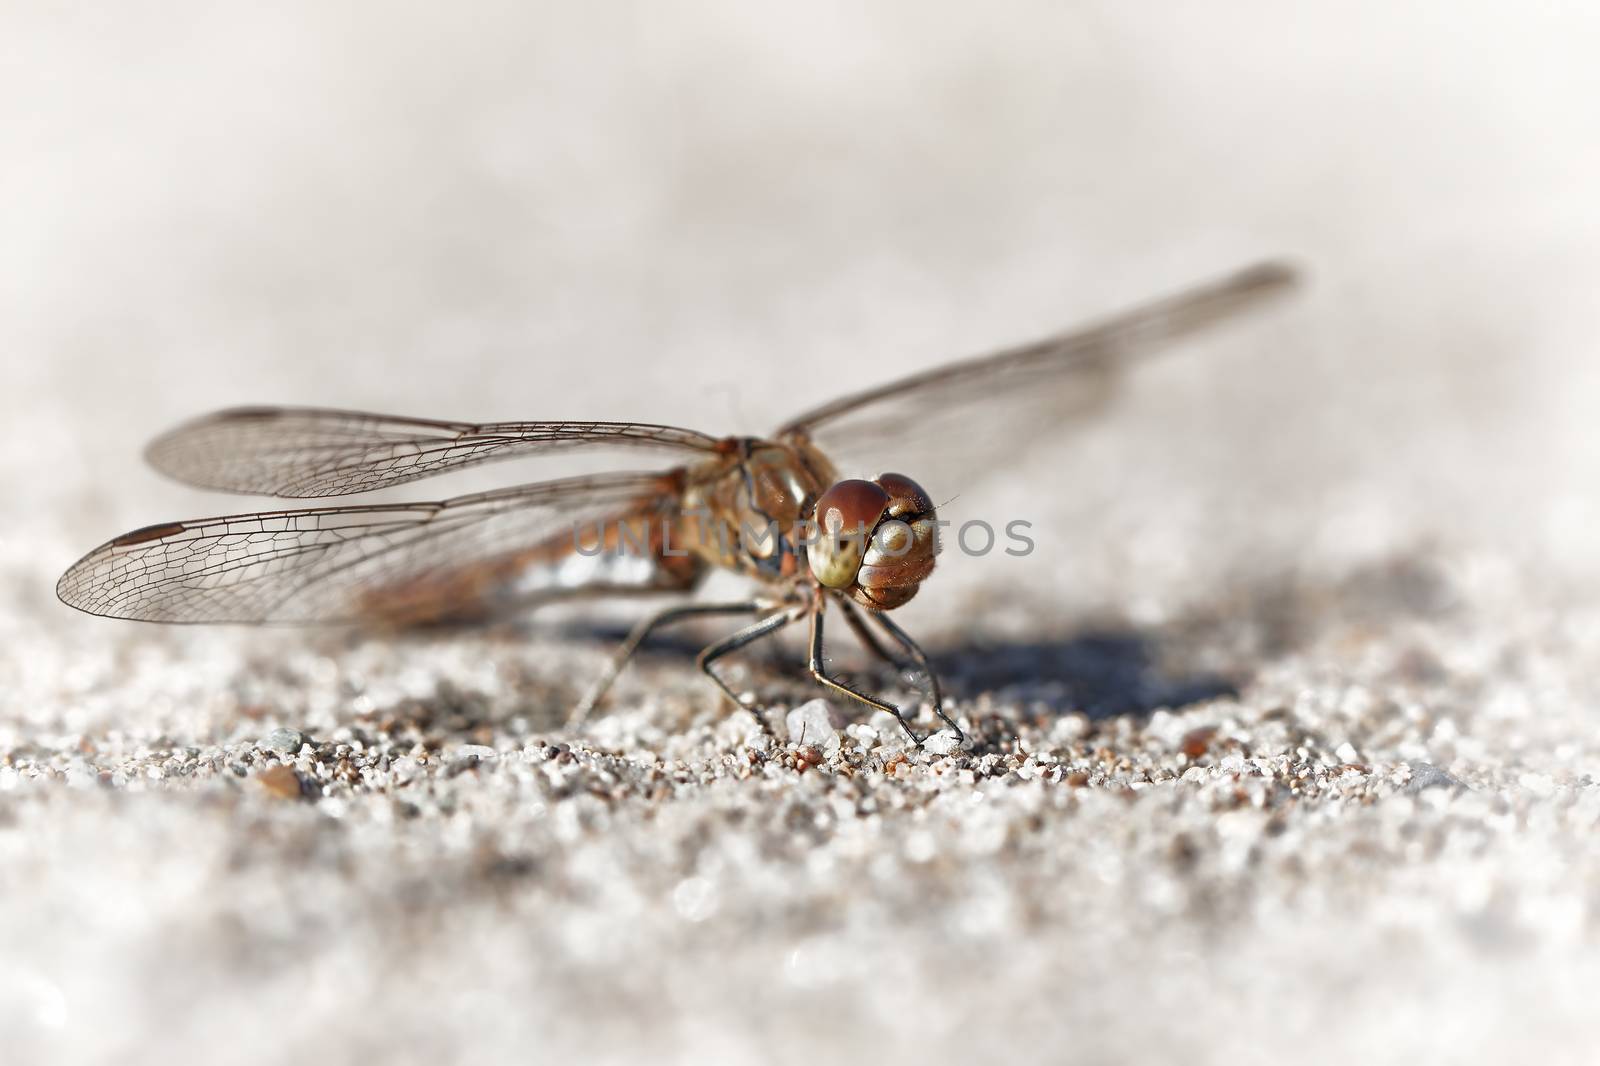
point(818, 672)
point(637, 636)
point(745, 637)
point(869, 640)
point(920, 657)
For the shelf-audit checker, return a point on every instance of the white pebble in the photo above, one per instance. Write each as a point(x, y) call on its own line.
point(815, 723)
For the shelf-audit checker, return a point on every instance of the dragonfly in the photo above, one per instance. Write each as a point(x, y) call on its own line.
point(775, 509)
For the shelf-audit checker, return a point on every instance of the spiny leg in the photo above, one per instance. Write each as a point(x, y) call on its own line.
point(852, 615)
point(904, 667)
point(745, 637)
point(921, 658)
point(637, 636)
point(818, 672)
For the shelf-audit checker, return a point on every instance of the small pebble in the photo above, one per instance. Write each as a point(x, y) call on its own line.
point(943, 742)
point(1540, 785)
point(1197, 742)
point(281, 781)
point(283, 741)
point(815, 723)
point(1426, 775)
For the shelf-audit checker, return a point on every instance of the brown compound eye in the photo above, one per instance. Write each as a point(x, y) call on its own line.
point(902, 552)
point(907, 499)
point(846, 516)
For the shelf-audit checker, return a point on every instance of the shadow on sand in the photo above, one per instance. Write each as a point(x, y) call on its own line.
point(1099, 673)
point(1103, 670)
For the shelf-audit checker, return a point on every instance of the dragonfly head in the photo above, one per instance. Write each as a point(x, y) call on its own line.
point(874, 540)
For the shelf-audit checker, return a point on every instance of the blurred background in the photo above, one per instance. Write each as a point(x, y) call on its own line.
point(717, 213)
point(701, 213)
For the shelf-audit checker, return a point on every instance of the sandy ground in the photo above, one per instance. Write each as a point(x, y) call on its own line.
point(1286, 733)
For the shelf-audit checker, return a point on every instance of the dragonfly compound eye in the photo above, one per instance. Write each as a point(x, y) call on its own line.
point(875, 540)
point(900, 554)
point(846, 516)
point(907, 500)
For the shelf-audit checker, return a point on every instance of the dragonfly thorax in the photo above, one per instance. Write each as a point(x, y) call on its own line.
point(750, 512)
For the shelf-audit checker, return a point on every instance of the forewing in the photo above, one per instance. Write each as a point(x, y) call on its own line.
point(330, 564)
point(305, 452)
point(951, 424)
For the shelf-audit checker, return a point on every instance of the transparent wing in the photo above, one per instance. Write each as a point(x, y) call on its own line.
point(303, 451)
point(957, 421)
point(340, 564)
